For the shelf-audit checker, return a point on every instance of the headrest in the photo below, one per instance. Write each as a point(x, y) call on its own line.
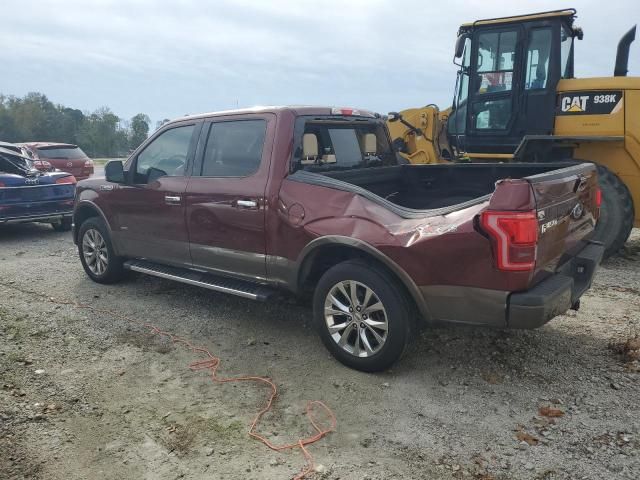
point(309, 145)
point(370, 144)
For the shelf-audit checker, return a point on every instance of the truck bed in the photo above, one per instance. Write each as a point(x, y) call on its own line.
point(429, 187)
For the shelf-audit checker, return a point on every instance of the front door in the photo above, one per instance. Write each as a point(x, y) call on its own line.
point(225, 198)
point(150, 207)
point(494, 90)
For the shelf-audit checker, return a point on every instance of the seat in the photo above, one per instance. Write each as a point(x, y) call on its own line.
point(370, 144)
point(309, 149)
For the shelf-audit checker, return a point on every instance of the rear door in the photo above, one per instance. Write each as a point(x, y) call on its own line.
point(567, 209)
point(225, 198)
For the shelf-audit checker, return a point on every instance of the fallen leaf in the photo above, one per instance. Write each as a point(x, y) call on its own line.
point(550, 412)
point(525, 437)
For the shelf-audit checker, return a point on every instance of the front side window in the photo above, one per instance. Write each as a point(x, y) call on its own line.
point(566, 45)
point(538, 59)
point(496, 57)
point(234, 149)
point(166, 155)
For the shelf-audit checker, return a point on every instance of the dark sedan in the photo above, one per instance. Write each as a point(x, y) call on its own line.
point(28, 195)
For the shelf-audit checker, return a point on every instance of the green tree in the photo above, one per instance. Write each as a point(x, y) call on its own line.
point(101, 133)
point(139, 130)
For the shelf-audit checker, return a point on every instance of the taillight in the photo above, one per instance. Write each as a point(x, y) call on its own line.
point(88, 163)
point(516, 238)
point(598, 197)
point(69, 179)
point(41, 164)
point(2, 185)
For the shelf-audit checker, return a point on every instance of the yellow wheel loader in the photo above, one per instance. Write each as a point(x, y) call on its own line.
point(516, 100)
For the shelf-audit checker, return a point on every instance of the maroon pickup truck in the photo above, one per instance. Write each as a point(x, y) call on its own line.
point(315, 201)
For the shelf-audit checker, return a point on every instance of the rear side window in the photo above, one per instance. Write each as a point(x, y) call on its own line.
point(234, 149)
point(63, 152)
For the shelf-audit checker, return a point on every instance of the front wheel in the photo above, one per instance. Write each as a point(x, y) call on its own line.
point(616, 212)
point(362, 315)
point(96, 252)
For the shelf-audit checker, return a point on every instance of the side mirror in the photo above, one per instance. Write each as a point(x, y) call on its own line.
point(460, 41)
point(393, 116)
point(114, 171)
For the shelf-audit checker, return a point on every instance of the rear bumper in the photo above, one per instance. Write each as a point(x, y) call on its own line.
point(556, 294)
point(530, 309)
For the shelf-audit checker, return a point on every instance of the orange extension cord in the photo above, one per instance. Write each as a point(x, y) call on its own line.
point(212, 363)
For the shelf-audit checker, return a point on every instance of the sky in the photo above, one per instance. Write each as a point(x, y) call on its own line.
point(177, 57)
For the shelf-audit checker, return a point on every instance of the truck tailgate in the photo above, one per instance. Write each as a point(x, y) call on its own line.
point(567, 208)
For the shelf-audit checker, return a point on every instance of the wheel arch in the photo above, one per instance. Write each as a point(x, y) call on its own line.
point(325, 252)
point(84, 210)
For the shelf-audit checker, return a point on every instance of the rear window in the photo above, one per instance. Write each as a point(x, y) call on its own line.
point(61, 152)
point(335, 144)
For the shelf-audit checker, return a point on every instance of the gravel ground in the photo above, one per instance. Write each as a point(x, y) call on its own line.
point(85, 395)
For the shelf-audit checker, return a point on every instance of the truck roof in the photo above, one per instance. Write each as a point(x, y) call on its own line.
point(295, 109)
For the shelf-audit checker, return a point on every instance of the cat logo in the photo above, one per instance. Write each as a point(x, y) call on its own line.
point(590, 103)
point(575, 104)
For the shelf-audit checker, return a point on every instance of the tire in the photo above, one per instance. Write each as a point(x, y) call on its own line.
point(374, 355)
point(63, 225)
point(616, 212)
point(93, 235)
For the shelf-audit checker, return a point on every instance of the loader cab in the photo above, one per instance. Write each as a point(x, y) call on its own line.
point(506, 83)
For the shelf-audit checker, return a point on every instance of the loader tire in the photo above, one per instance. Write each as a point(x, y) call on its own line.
point(616, 212)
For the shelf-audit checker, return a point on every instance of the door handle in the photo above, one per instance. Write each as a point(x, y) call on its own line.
point(247, 204)
point(172, 199)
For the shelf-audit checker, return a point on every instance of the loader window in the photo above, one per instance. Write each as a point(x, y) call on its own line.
point(566, 45)
point(496, 57)
point(538, 59)
point(492, 114)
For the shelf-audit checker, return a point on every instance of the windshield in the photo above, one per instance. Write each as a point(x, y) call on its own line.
point(336, 144)
point(61, 152)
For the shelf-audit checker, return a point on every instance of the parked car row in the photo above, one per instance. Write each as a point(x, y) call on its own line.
point(37, 182)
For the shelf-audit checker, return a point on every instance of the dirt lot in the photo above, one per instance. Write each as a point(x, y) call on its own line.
point(84, 395)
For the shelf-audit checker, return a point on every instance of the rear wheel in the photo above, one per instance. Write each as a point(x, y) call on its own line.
point(97, 254)
point(362, 315)
point(616, 212)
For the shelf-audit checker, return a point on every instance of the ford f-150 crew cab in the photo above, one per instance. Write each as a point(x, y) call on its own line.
point(315, 201)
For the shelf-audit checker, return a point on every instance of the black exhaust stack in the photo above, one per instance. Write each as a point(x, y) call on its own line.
point(622, 57)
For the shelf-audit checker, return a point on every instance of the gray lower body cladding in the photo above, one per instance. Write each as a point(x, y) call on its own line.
point(526, 310)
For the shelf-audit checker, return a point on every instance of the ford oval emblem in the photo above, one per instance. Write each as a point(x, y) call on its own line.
point(577, 211)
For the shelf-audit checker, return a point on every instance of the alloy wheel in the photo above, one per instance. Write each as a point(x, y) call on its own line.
point(94, 250)
point(356, 318)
